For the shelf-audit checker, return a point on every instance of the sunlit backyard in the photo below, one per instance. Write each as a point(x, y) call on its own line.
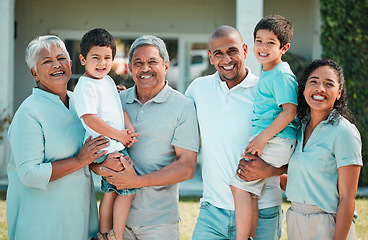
point(189, 208)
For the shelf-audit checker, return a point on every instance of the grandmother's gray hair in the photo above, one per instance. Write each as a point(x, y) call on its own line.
point(149, 40)
point(39, 43)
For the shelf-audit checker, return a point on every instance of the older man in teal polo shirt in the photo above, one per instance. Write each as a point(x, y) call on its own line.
point(166, 151)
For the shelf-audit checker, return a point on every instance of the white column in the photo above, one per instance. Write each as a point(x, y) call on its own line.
point(248, 13)
point(7, 74)
point(316, 46)
point(183, 66)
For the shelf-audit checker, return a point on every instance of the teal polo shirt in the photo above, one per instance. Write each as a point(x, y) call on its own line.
point(167, 120)
point(313, 169)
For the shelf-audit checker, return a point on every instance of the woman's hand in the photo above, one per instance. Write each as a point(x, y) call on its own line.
point(113, 162)
point(87, 154)
point(91, 150)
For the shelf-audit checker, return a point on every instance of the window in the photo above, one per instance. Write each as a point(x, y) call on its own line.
point(188, 57)
point(119, 71)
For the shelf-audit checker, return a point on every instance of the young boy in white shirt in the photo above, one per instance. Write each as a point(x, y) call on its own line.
point(99, 107)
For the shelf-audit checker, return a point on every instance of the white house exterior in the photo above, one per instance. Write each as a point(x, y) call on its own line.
point(187, 22)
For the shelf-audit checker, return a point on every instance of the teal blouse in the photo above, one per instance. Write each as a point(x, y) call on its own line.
point(43, 131)
point(313, 169)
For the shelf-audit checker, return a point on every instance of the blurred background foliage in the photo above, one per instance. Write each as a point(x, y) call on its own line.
point(344, 38)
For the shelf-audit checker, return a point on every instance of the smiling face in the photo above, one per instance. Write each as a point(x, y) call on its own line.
point(148, 69)
point(227, 54)
point(53, 70)
point(267, 49)
point(98, 62)
point(322, 89)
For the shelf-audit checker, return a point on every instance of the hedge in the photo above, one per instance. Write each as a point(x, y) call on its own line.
point(344, 38)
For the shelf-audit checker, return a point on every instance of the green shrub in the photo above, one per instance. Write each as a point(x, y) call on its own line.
point(296, 62)
point(344, 38)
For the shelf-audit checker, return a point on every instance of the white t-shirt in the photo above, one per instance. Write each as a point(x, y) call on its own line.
point(224, 117)
point(100, 97)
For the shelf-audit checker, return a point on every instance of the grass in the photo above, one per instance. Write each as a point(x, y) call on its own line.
point(189, 209)
point(3, 228)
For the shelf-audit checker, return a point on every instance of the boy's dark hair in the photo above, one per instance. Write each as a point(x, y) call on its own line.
point(97, 37)
point(279, 25)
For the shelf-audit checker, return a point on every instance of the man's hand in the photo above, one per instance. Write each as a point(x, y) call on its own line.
point(121, 87)
point(127, 178)
point(254, 168)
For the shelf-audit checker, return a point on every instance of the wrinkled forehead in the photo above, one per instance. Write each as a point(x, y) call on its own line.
point(51, 50)
point(146, 52)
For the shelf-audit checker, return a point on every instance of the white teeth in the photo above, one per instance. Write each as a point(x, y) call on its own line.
point(262, 54)
point(57, 73)
point(318, 97)
point(229, 68)
point(145, 77)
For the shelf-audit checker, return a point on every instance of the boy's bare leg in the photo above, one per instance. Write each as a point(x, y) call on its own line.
point(121, 212)
point(106, 211)
point(244, 213)
point(255, 216)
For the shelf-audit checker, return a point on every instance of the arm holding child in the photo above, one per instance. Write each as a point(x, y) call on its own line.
point(253, 168)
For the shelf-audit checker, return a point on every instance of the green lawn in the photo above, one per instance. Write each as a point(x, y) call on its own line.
point(189, 208)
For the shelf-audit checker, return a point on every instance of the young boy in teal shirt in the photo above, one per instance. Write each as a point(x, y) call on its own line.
point(273, 123)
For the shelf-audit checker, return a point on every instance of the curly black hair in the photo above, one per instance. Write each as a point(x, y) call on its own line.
point(340, 106)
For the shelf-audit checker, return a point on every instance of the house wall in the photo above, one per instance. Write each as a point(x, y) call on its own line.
point(183, 17)
point(6, 80)
point(39, 17)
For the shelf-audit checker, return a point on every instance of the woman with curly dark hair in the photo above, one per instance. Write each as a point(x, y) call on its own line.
point(324, 170)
